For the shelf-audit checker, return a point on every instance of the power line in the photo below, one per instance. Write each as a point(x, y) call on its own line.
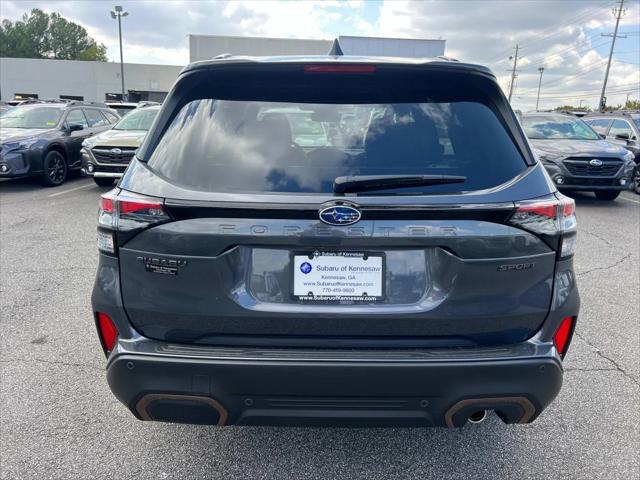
point(624, 86)
point(555, 29)
point(583, 71)
point(540, 37)
point(578, 48)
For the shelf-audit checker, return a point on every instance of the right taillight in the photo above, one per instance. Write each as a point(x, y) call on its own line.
point(126, 212)
point(553, 216)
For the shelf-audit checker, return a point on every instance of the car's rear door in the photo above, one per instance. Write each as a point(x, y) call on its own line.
point(254, 248)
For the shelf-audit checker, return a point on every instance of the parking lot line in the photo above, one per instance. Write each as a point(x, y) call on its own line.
point(70, 190)
point(630, 199)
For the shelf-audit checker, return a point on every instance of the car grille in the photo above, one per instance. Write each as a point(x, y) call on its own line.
point(113, 154)
point(109, 169)
point(592, 182)
point(582, 168)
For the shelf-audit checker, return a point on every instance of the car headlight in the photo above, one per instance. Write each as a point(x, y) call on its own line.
point(629, 156)
point(87, 144)
point(26, 143)
point(546, 156)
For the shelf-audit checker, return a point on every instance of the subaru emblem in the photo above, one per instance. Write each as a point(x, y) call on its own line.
point(340, 215)
point(596, 162)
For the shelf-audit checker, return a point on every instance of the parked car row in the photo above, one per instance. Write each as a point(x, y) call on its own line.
point(44, 138)
point(598, 152)
point(577, 158)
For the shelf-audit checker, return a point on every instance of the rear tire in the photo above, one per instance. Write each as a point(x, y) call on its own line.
point(103, 182)
point(607, 194)
point(55, 169)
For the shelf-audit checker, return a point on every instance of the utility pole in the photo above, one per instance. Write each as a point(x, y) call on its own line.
point(119, 13)
point(618, 12)
point(540, 69)
point(513, 72)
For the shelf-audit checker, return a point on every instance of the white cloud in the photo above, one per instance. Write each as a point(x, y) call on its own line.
point(564, 37)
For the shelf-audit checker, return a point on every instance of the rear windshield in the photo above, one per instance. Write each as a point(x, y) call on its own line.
point(265, 147)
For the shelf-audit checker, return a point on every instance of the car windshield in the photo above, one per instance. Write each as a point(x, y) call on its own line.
point(31, 117)
point(259, 146)
point(137, 119)
point(554, 127)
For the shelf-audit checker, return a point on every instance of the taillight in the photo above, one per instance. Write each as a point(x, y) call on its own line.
point(562, 336)
point(125, 212)
point(107, 331)
point(329, 68)
point(554, 216)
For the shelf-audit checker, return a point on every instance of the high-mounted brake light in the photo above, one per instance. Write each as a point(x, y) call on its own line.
point(563, 335)
point(552, 216)
point(339, 68)
point(107, 331)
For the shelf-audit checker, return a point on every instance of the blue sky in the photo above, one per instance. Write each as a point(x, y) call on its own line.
point(563, 36)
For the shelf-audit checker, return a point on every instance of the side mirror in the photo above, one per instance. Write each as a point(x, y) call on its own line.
point(74, 127)
point(622, 136)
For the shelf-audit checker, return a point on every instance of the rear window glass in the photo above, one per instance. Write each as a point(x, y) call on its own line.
point(256, 147)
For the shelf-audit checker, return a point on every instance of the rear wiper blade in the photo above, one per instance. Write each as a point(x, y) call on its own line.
point(366, 183)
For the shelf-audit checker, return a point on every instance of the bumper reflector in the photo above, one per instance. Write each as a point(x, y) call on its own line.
point(563, 335)
point(107, 330)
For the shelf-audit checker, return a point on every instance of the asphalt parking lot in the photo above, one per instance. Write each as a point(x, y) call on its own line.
point(59, 419)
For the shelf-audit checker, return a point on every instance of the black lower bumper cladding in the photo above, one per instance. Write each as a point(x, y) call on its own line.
point(330, 393)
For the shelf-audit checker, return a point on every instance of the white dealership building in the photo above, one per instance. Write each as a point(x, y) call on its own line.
point(100, 81)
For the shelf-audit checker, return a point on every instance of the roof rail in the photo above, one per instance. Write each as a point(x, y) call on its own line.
point(448, 59)
point(147, 103)
point(222, 56)
point(29, 101)
point(84, 103)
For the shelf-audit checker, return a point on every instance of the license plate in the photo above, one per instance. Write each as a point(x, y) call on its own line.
point(338, 277)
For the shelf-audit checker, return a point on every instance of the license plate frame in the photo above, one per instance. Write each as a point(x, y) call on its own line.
point(319, 257)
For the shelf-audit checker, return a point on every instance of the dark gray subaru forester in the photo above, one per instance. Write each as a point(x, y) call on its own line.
point(335, 241)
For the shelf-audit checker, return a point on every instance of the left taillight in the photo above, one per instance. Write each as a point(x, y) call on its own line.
point(107, 331)
point(553, 216)
point(125, 212)
point(562, 337)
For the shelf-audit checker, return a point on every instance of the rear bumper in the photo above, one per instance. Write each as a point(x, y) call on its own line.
point(321, 388)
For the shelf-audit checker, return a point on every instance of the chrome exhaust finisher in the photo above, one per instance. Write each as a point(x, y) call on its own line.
point(478, 417)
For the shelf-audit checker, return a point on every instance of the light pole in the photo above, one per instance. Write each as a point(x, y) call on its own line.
point(540, 69)
point(119, 13)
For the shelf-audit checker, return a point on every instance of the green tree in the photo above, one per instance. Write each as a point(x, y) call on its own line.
point(42, 35)
point(572, 108)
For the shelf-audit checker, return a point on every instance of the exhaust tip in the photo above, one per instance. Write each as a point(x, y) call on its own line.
point(478, 417)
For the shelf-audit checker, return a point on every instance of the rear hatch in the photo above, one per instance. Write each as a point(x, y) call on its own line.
point(308, 205)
